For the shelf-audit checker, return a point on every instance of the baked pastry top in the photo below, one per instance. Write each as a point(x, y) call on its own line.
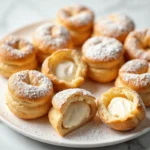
point(102, 51)
point(76, 17)
point(137, 44)
point(115, 25)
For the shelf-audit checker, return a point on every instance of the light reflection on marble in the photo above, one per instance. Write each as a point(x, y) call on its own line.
point(16, 13)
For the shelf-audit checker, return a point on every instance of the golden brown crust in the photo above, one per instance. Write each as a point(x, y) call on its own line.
point(137, 44)
point(15, 55)
point(61, 102)
point(79, 38)
point(114, 25)
point(126, 123)
point(49, 38)
point(7, 70)
point(29, 94)
point(26, 112)
point(135, 75)
point(104, 75)
point(66, 54)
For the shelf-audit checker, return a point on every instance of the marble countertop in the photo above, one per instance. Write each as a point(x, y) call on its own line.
point(17, 13)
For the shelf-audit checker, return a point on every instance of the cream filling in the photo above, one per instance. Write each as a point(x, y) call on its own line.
point(120, 107)
point(65, 70)
point(76, 113)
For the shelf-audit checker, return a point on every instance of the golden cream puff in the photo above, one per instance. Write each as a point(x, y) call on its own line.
point(16, 54)
point(104, 57)
point(29, 94)
point(78, 19)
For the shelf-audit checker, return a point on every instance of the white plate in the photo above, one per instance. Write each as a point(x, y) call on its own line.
point(93, 134)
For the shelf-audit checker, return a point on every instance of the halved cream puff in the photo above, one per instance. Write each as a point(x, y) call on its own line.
point(71, 109)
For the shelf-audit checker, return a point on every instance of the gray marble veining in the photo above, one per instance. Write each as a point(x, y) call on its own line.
point(16, 13)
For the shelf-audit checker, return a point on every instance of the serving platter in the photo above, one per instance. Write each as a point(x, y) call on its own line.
point(93, 134)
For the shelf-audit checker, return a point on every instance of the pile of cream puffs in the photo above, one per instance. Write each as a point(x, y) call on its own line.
point(69, 49)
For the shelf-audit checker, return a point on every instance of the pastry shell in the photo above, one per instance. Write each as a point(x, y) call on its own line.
point(61, 102)
point(126, 123)
point(51, 62)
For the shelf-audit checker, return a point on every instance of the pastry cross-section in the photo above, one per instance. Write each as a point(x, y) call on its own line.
point(71, 109)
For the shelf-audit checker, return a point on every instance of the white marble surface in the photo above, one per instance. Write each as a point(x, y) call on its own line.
point(16, 13)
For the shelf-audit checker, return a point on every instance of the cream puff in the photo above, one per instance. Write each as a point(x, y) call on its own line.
point(29, 94)
point(104, 56)
point(135, 74)
point(79, 20)
point(121, 108)
point(137, 45)
point(16, 54)
point(115, 25)
point(71, 109)
point(65, 68)
point(49, 38)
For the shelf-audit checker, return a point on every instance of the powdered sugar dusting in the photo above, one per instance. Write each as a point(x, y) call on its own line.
point(53, 35)
point(136, 44)
point(60, 98)
point(134, 66)
point(30, 84)
point(102, 48)
point(142, 80)
point(82, 18)
point(77, 14)
point(7, 48)
point(115, 24)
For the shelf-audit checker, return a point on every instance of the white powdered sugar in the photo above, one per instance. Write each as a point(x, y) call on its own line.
point(16, 53)
point(115, 24)
point(134, 72)
point(102, 48)
point(82, 18)
point(136, 44)
point(7, 48)
point(134, 66)
point(53, 35)
point(60, 98)
point(30, 84)
point(142, 80)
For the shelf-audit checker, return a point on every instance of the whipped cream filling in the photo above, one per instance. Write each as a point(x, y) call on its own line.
point(65, 70)
point(76, 113)
point(120, 107)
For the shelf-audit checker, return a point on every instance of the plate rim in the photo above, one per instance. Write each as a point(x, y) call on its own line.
point(73, 145)
point(70, 144)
